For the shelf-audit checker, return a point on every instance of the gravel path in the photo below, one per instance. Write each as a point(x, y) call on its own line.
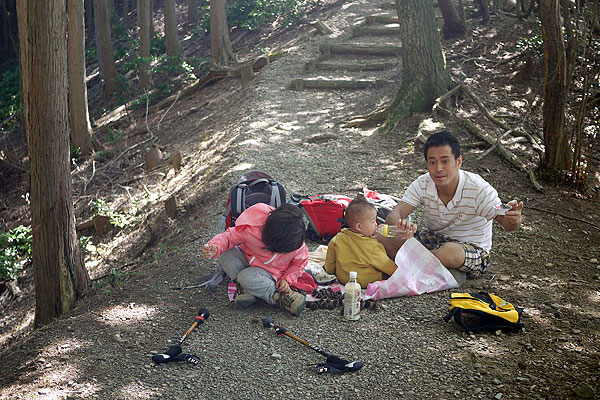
point(102, 349)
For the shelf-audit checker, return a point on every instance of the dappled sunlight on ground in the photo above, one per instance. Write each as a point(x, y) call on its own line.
point(135, 391)
point(24, 325)
point(126, 315)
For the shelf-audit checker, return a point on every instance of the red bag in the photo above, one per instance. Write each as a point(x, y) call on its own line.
point(325, 214)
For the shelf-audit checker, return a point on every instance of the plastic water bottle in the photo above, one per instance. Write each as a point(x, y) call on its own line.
point(352, 298)
point(392, 230)
point(389, 230)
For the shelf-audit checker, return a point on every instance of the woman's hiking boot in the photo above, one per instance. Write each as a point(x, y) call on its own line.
point(243, 300)
point(292, 301)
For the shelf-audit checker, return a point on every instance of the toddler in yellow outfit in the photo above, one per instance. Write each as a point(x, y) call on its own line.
point(356, 249)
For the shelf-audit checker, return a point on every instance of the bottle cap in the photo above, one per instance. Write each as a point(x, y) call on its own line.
point(353, 274)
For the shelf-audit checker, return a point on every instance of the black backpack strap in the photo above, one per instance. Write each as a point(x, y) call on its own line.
point(449, 316)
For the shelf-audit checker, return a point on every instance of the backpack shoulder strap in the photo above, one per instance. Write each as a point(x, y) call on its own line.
point(277, 194)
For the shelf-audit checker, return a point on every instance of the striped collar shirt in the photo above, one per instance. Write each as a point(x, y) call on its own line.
point(467, 217)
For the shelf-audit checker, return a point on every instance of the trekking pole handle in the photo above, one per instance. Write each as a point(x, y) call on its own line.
point(203, 313)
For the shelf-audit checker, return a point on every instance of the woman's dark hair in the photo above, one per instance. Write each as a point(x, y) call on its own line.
point(440, 139)
point(284, 229)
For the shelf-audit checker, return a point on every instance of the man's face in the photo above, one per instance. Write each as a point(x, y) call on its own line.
point(442, 166)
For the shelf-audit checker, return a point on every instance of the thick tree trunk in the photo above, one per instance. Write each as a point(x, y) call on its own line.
point(454, 26)
point(81, 129)
point(59, 274)
point(125, 10)
point(558, 154)
point(104, 48)
point(144, 16)
point(173, 45)
point(220, 46)
point(193, 14)
point(424, 75)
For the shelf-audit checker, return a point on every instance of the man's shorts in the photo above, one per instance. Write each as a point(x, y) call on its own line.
point(476, 258)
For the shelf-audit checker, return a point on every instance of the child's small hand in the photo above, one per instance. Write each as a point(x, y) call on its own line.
point(209, 250)
point(283, 286)
point(407, 229)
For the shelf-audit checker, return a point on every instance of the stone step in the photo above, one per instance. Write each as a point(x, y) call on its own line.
point(381, 19)
point(389, 50)
point(349, 66)
point(375, 31)
point(350, 84)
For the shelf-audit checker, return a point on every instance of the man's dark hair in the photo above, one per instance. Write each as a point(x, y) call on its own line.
point(284, 229)
point(440, 139)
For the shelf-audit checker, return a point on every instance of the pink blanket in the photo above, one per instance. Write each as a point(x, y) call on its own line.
point(419, 271)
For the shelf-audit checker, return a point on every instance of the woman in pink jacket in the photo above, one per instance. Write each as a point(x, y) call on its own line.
point(265, 254)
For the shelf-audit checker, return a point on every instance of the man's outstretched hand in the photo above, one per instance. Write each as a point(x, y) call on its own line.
point(511, 221)
point(407, 229)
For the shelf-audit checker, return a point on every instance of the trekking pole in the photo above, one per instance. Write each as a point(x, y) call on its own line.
point(173, 353)
point(331, 364)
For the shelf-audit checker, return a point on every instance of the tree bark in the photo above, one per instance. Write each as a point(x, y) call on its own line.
point(193, 14)
point(59, 274)
point(484, 11)
point(424, 75)
point(557, 155)
point(81, 129)
point(220, 45)
point(453, 24)
point(172, 42)
point(104, 48)
point(89, 17)
point(144, 16)
point(125, 10)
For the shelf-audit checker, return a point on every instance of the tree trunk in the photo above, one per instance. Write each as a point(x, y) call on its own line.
point(193, 14)
point(144, 28)
point(89, 17)
point(453, 25)
point(104, 48)
point(59, 274)
point(81, 129)
point(220, 46)
point(173, 45)
point(484, 11)
point(151, 19)
point(424, 75)
point(125, 10)
point(557, 154)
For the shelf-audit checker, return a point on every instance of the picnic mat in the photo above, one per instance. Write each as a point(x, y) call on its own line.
point(418, 272)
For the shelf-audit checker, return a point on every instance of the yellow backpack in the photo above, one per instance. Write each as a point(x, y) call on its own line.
point(484, 312)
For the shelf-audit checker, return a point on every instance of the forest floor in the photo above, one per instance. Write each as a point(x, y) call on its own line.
point(145, 274)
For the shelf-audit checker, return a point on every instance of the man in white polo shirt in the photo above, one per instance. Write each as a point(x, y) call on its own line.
point(459, 209)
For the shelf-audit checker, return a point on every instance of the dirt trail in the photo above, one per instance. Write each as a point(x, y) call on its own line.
point(102, 349)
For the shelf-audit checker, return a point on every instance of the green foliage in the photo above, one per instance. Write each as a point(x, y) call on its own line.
point(90, 54)
point(114, 136)
point(10, 93)
point(75, 153)
point(15, 251)
point(85, 243)
point(115, 277)
point(533, 44)
point(157, 44)
point(254, 14)
point(100, 207)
